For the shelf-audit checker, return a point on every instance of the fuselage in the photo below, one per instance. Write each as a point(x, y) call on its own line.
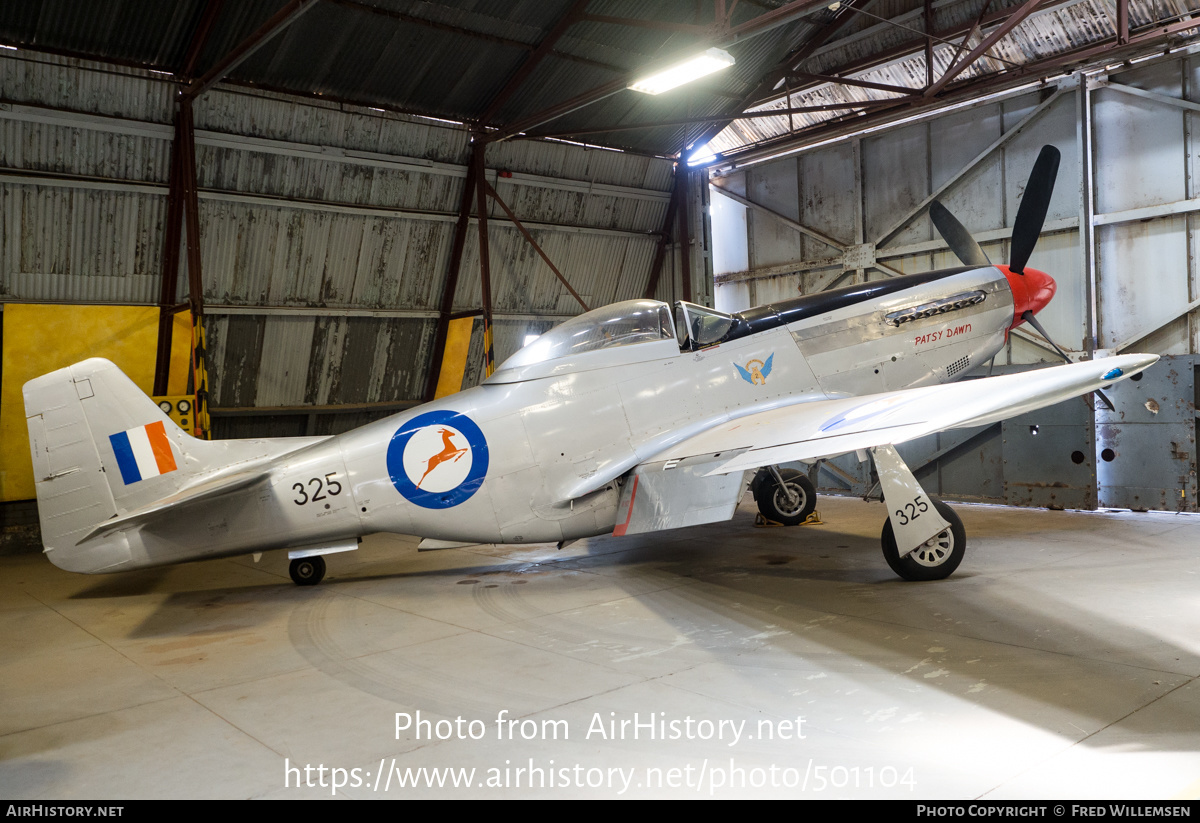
point(537, 452)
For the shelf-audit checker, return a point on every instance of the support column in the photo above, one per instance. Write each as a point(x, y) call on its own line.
point(1087, 207)
point(485, 274)
point(191, 215)
point(432, 389)
point(664, 239)
point(683, 233)
point(170, 264)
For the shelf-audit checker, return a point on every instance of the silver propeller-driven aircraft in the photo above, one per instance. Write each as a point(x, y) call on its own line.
point(630, 418)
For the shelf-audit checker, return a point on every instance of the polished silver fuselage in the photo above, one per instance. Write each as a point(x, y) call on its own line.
point(561, 436)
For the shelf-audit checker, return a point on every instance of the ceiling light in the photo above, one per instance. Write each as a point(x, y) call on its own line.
point(691, 69)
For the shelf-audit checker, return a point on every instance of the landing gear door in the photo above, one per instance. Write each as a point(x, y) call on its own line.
point(913, 515)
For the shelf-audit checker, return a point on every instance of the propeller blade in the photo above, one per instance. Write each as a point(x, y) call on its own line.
point(1031, 214)
point(1029, 318)
point(956, 235)
point(1032, 320)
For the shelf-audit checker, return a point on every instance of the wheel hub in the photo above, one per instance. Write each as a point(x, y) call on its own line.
point(790, 499)
point(934, 551)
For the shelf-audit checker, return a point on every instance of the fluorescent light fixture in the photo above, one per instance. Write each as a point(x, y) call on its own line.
point(691, 69)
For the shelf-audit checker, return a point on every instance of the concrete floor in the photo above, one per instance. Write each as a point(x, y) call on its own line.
point(1060, 661)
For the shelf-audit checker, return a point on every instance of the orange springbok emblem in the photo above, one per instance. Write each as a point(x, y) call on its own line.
point(448, 454)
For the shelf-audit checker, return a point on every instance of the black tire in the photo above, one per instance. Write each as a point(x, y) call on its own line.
point(937, 558)
point(773, 500)
point(307, 571)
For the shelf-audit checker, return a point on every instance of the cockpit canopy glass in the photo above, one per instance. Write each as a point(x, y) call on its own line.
point(621, 324)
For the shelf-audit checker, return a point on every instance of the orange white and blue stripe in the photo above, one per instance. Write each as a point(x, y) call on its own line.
point(143, 452)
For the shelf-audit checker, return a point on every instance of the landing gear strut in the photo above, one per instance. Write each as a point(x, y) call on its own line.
point(307, 571)
point(785, 496)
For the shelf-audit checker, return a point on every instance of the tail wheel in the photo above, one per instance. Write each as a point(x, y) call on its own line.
point(937, 557)
point(307, 571)
point(789, 504)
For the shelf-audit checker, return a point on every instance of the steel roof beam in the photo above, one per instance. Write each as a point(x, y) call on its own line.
point(724, 118)
point(908, 48)
point(471, 33)
point(1147, 38)
point(1026, 9)
point(573, 15)
point(784, 67)
point(200, 36)
point(850, 81)
point(751, 28)
point(244, 50)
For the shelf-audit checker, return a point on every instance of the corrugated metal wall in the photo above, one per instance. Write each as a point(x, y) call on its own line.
point(326, 231)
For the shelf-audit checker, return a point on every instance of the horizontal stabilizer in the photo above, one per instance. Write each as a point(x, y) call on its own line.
point(214, 487)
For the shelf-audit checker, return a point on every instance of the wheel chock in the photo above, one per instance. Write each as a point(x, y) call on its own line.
point(761, 522)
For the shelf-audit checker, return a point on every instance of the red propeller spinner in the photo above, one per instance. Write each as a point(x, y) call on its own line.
point(1031, 291)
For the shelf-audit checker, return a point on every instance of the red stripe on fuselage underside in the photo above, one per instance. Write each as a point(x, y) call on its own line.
point(621, 529)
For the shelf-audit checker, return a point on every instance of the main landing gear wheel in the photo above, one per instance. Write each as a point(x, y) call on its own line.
point(790, 503)
point(307, 571)
point(937, 557)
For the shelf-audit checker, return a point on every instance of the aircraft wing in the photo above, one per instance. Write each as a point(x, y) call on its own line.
point(824, 428)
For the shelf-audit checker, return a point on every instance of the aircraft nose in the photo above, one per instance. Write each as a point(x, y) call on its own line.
point(1031, 291)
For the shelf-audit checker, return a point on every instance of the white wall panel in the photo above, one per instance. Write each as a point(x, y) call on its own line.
point(1143, 276)
point(730, 237)
point(773, 185)
point(976, 198)
point(895, 173)
point(828, 196)
point(1139, 152)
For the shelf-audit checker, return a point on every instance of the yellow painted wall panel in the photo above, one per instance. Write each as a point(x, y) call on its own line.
point(454, 359)
point(41, 338)
point(181, 354)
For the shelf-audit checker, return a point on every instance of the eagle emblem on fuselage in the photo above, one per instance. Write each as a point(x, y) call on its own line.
point(756, 371)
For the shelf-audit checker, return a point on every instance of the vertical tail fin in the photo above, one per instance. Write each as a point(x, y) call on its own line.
point(102, 448)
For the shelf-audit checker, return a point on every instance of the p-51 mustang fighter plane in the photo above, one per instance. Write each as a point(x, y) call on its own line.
point(626, 419)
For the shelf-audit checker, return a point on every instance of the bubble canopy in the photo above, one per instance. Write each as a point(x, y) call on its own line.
point(627, 323)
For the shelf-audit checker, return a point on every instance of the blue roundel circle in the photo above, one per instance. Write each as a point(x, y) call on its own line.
point(438, 459)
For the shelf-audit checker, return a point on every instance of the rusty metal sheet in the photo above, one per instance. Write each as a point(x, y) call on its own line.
point(1147, 447)
point(235, 344)
point(57, 82)
point(317, 124)
point(283, 365)
point(62, 244)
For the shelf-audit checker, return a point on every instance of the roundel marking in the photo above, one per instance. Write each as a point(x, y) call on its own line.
point(438, 459)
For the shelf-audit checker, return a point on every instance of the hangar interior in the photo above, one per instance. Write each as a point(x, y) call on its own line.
point(275, 209)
